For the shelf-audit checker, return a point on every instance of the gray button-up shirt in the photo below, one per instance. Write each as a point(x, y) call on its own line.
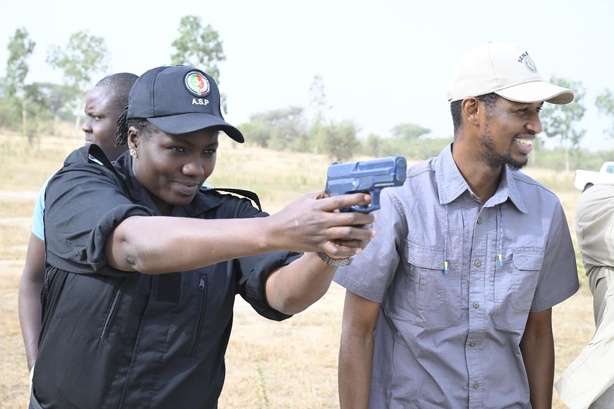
point(450, 338)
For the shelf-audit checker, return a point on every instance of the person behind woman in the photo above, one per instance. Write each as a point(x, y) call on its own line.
point(144, 266)
point(103, 105)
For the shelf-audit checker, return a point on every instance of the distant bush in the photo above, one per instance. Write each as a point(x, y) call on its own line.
point(578, 159)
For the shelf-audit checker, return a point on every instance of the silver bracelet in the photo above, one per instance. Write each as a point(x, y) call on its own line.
point(335, 262)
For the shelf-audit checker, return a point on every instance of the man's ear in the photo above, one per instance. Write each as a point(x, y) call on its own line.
point(471, 110)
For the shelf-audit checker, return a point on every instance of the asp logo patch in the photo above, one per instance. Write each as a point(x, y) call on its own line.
point(197, 84)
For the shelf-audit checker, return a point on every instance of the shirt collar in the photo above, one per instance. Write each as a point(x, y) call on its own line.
point(508, 188)
point(451, 184)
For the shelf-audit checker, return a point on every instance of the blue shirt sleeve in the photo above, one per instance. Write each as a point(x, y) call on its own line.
point(38, 227)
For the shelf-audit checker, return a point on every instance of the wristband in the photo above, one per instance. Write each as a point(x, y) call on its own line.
point(335, 262)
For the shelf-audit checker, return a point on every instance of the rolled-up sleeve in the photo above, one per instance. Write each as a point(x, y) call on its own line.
point(84, 202)
point(257, 270)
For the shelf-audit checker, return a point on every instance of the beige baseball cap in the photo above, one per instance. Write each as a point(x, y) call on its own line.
point(507, 70)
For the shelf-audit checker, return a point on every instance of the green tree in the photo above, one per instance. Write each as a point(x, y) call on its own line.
point(605, 105)
point(198, 46)
point(341, 141)
point(558, 121)
point(9, 108)
point(83, 57)
point(538, 147)
point(317, 94)
point(287, 128)
point(422, 149)
point(373, 145)
point(51, 102)
point(20, 48)
point(409, 131)
point(279, 129)
point(257, 132)
point(316, 133)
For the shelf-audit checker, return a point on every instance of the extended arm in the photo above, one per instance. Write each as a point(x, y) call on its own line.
point(306, 225)
point(537, 348)
point(356, 351)
point(29, 304)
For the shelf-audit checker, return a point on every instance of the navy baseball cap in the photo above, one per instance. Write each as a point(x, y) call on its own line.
point(179, 99)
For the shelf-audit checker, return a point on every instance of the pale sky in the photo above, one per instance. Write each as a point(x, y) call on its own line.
point(383, 62)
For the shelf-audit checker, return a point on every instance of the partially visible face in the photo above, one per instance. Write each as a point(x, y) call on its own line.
point(509, 131)
point(173, 167)
point(101, 112)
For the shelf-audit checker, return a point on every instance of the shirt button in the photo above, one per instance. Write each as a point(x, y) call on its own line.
point(477, 263)
point(476, 305)
point(479, 220)
point(476, 385)
point(472, 344)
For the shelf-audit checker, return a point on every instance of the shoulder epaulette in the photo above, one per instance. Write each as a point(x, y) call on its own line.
point(242, 192)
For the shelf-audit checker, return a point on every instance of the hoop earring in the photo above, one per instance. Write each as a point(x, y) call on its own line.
point(133, 153)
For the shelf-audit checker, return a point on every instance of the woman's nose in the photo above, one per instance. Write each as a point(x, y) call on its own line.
point(194, 167)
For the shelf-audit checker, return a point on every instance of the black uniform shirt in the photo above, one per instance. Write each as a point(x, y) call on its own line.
point(115, 339)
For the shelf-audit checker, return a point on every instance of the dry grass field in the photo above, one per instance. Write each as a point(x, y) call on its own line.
point(292, 364)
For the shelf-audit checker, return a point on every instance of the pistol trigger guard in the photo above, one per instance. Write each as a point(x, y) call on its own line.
point(365, 209)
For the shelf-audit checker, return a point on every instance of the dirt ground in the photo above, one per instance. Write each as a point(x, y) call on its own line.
point(268, 362)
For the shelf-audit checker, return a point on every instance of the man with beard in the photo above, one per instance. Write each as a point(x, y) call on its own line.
point(450, 305)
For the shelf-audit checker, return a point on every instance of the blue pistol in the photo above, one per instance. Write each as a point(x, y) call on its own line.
point(370, 176)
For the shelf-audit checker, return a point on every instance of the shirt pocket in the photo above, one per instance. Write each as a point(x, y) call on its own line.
point(433, 297)
point(514, 287)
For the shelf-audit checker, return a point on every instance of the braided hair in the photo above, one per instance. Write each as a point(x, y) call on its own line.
point(124, 124)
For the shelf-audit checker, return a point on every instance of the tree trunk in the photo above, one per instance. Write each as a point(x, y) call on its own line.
point(24, 122)
point(76, 129)
point(77, 117)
